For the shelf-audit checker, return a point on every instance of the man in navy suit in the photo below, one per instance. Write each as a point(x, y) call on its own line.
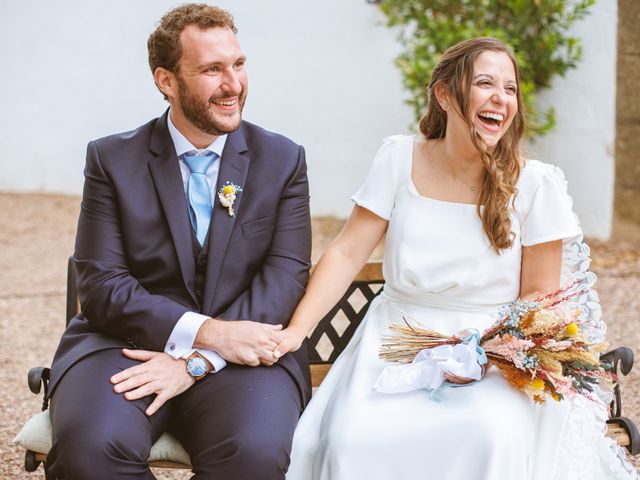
point(184, 293)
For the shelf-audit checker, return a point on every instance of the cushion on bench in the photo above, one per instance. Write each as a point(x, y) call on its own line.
point(35, 435)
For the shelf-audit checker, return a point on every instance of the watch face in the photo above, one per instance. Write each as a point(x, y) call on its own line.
point(196, 367)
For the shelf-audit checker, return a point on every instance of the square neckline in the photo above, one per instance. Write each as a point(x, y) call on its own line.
point(414, 190)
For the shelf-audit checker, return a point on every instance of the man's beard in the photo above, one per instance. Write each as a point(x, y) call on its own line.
point(197, 112)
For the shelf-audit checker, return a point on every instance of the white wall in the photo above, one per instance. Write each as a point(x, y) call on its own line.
point(322, 73)
point(583, 142)
point(319, 72)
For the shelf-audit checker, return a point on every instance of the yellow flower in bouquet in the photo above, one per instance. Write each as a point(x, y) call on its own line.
point(571, 329)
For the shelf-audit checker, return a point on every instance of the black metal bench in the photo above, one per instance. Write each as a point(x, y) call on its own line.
point(326, 343)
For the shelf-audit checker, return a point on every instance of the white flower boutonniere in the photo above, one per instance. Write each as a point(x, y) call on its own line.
point(227, 196)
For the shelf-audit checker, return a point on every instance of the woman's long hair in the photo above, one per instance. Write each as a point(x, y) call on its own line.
point(455, 71)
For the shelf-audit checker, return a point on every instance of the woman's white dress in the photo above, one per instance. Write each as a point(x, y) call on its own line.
point(441, 271)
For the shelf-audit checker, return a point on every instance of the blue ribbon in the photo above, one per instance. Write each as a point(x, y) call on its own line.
point(435, 395)
point(482, 356)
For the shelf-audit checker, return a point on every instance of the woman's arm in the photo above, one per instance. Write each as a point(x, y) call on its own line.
point(540, 273)
point(334, 273)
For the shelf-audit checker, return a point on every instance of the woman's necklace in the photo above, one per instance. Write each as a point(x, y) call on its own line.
point(471, 186)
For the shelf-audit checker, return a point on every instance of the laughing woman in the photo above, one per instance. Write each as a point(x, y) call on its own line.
point(470, 226)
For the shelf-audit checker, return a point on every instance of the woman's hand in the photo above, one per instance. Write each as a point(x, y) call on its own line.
point(291, 341)
point(465, 380)
point(458, 380)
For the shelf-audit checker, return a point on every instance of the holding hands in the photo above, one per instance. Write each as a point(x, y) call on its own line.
point(291, 340)
point(243, 341)
point(249, 343)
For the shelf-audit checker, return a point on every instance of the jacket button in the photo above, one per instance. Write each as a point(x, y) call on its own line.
point(202, 260)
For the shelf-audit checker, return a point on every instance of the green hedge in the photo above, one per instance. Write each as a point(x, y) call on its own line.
point(537, 30)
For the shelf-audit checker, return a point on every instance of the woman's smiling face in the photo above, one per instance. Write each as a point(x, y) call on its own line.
point(493, 99)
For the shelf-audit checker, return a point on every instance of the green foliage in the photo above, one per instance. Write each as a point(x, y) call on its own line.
point(537, 30)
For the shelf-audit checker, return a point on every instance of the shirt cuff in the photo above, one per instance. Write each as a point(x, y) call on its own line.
point(180, 343)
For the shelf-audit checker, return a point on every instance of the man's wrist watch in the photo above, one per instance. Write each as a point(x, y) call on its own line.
point(197, 366)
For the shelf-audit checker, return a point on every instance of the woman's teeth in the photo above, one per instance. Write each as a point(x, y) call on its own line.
point(497, 117)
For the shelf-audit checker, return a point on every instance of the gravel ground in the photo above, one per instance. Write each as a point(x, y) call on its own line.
point(36, 236)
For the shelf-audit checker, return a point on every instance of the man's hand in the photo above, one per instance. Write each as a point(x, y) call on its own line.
point(240, 341)
point(159, 374)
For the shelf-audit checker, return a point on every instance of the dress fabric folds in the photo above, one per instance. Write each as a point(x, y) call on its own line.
point(441, 272)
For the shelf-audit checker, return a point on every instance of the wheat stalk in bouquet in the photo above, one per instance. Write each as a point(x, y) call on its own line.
point(542, 347)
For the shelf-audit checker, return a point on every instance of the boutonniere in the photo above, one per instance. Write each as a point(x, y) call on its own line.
point(227, 196)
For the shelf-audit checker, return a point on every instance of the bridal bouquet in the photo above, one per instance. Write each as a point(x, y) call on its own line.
point(542, 347)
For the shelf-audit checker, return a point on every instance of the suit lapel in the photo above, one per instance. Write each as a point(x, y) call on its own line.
point(166, 175)
point(233, 168)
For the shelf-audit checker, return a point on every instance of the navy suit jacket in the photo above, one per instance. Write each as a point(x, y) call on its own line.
point(134, 252)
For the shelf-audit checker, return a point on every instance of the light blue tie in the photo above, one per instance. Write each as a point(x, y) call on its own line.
point(198, 192)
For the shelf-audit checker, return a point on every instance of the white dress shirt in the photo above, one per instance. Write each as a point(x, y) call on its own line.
point(180, 343)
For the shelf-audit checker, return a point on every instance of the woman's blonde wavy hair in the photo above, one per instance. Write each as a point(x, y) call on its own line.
point(455, 71)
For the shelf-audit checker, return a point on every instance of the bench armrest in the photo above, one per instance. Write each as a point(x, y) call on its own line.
point(37, 378)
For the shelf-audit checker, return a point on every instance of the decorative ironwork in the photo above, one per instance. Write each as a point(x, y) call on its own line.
point(335, 330)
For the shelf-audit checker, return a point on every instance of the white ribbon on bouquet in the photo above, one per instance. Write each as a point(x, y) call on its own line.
point(428, 368)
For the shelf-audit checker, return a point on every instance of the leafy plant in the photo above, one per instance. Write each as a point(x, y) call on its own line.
point(537, 31)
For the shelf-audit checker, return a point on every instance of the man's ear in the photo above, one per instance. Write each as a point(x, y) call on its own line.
point(442, 95)
point(166, 82)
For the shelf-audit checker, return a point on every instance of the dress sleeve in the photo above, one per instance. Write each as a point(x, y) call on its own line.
point(550, 215)
point(390, 166)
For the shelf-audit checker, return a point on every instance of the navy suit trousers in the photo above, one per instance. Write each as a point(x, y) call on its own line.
point(236, 424)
